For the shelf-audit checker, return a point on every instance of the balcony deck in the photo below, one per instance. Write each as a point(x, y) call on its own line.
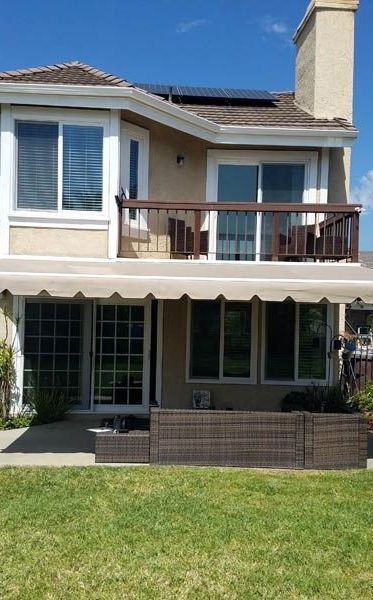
point(238, 231)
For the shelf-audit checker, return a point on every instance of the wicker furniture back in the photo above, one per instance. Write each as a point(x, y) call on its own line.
point(258, 439)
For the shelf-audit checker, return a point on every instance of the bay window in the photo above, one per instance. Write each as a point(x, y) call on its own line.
point(59, 166)
point(220, 340)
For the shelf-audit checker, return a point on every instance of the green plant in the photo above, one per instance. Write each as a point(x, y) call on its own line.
point(49, 405)
point(316, 399)
point(362, 401)
point(7, 369)
point(16, 421)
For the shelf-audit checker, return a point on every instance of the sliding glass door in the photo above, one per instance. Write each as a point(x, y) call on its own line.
point(248, 235)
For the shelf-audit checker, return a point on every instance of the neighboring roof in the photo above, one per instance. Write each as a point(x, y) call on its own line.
point(312, 282)
point(283, 112)
point(366, 258)
point(69, 73)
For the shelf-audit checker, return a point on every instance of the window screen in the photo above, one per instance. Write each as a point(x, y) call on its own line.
point(280, 328)
point(37, 165)
point(82, 168)
point(205, 339)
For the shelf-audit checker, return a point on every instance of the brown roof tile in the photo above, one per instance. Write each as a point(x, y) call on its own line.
point(70, 73)
point(282, 113)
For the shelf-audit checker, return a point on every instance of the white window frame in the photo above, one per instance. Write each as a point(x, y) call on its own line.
point(142, 408)
point(297, 381)
point(252, 380)
point(62, 117)
point(129, 132)
point(256, 159)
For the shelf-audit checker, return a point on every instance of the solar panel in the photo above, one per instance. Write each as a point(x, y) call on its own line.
point(183, 91)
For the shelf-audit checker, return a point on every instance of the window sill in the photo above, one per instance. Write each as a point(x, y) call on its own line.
point(224, 381)
point(80, 220)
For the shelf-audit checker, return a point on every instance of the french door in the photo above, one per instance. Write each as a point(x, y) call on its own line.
point(121, 357)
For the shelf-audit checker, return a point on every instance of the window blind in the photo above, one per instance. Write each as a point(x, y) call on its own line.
point(134, 176)
point(37, 165)
point(312, 341)
point(82, 168)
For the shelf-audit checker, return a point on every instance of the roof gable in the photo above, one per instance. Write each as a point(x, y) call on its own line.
point(69, 73)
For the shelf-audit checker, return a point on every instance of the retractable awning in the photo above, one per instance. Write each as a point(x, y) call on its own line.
point(136, 278)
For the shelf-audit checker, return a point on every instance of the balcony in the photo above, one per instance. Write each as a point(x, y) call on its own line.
point(238, 231)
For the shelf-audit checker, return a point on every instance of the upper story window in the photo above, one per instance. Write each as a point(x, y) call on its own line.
point(59, 166)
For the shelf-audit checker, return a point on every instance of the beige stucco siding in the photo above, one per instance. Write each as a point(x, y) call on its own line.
point(176, 393)
point(58, 242)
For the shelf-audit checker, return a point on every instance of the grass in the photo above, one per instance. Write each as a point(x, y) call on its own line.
point(162, 533)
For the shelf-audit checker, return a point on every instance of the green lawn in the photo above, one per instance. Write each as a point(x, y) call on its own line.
point(146, 532)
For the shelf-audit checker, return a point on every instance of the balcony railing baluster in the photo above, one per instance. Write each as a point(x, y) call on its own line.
point(290, 232)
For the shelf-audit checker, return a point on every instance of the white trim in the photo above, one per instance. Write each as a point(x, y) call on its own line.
point(62, 117)
point(6, 175)
point(324, 176)
point(128, 132)
point(17, 220)
point(296, 381)
point(138, 101)
point(114, 165)
point(18, 335)
point(252, 380)
point(159, 351)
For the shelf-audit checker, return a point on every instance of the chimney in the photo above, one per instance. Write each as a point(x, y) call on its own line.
point(325, 59)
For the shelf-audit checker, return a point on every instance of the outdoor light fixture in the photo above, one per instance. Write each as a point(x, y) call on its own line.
point(180, 160)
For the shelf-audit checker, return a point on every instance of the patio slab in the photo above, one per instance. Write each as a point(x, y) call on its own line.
point(66, 443)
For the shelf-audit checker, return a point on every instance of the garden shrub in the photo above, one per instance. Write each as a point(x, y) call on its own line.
point(49, 405)
point(316, 399)
point(16, 421)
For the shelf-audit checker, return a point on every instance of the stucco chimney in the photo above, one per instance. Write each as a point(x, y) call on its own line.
point(325, 58)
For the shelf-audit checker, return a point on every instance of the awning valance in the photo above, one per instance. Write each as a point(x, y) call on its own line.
point(164, 279)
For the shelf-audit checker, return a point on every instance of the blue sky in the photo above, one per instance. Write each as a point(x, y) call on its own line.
point(232, 43)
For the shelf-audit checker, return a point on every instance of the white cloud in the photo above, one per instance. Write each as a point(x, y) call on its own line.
point(271, 25)
point(186, 26)
point(363, 192)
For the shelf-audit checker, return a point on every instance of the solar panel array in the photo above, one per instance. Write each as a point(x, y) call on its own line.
point(183, 91)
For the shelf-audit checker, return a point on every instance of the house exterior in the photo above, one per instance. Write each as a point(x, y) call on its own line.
point(157, 240)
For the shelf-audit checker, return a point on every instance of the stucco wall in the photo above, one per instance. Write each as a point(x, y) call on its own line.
point(176, 393)
point(58, 242)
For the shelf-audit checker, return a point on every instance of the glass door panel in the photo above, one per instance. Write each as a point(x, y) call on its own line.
point(235, 232)
point(119, 357)
point(281, 184)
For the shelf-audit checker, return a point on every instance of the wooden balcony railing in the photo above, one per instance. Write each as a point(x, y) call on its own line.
point(238, 231)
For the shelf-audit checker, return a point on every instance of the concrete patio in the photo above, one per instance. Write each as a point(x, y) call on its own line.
point(65, 443)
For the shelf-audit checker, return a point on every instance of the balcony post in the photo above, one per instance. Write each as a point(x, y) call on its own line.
point(120, 219)
point(197, 234)
point(275, 235)
point(355, 237)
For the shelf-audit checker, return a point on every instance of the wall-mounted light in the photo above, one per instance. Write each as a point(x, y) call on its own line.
point(180, 160)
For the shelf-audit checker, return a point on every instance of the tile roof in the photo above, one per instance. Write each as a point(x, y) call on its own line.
point(284, 112)
point(69, 73)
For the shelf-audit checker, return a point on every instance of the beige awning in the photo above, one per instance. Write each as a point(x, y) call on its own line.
point(165, 279)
